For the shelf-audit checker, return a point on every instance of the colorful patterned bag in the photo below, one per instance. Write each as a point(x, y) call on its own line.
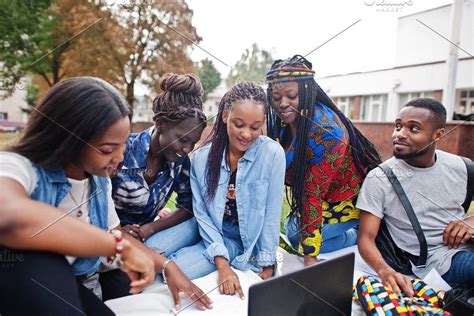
point(378, 300)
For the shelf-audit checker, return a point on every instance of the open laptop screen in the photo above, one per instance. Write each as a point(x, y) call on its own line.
point(322, 289)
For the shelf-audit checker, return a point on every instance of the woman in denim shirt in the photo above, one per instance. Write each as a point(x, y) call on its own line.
point(237, 183)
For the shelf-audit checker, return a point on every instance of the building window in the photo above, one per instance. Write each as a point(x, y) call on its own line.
point(466, 102)
point(346, 105)
point(374, 108)
point(404, 98)
point(3, 116)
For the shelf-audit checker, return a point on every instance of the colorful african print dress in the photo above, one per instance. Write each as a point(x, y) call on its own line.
point(332, 180)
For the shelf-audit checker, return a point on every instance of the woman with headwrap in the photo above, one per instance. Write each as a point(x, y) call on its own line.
point(327, 159)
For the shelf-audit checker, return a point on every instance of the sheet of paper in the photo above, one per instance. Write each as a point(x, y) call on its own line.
point(223, 304)
point(435, 280)
point(157, 299)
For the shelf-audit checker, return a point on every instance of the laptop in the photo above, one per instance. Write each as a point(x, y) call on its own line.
point(321, 289)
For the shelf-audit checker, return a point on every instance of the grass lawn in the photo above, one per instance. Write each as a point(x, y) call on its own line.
point(286, 208)
point(7, 138)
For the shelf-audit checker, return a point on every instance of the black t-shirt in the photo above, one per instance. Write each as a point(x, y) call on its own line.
point(230, 212)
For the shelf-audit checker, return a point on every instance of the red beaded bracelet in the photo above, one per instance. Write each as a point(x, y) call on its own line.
point(117, 257)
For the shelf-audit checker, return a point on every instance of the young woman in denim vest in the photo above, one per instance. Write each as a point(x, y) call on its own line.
point(56, 174)
point(237, 184)
point(327, 159)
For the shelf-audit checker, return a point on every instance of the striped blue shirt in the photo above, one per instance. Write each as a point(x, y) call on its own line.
point(138, 202)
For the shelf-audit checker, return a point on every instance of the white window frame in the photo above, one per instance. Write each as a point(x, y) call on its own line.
point(345, 104)
point(368, 103)
point(467, 99)
point(411, 96)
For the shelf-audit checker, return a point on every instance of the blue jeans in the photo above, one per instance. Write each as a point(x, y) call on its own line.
point(335, 236)
point(192, 261)
point(174, 238)
point(461, 271)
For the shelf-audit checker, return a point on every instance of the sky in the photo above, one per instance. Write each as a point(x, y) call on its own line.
point(285, 28)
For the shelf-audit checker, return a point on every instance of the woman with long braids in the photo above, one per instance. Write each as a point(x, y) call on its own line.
point(238, 204)
point(327, 159)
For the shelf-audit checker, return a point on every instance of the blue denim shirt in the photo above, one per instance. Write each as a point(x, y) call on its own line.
point(259, 195)
point(138, 202)
point(51, 188)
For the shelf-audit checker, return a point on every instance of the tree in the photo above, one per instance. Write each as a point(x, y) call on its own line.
point(89, 55)
point(25, 29)
point(123, 42)
point(253, 65)
point(45, 38)
point(210, 76)
point(158, 38)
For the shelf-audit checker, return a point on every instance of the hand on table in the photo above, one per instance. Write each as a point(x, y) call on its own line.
point(266, 273)
point(179, 282)
point(229, 282)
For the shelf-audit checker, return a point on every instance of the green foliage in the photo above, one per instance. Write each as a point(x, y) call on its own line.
point(123, 42)
point(32, 92)
point(253, 65)
point(210, 76)
point(284, 213)
point(25, 36)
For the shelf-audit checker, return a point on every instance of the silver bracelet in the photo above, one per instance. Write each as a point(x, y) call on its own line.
point(163, 272)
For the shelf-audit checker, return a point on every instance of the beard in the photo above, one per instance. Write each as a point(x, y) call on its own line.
point(412, 155)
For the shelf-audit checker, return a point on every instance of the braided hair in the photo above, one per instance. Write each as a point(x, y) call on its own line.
point(180, 99)
point(365, 155)
point(218, 138)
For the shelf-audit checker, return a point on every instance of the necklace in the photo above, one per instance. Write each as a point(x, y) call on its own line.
point(79, 205)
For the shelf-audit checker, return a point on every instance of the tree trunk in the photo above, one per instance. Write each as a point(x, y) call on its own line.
point(56, 65)
point(130, 97)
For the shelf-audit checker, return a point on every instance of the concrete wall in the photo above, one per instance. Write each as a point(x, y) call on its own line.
point(12, 105)
point(140, 126)
point(417, 44)
point(419, 78)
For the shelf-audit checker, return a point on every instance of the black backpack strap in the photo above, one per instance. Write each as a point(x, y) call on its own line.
point(470, 183)
point(411, 214)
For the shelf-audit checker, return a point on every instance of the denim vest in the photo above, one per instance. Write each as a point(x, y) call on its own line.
point(51, 188)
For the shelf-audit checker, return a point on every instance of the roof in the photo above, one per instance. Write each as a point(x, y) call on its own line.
point(432, 9)
point(397, 67)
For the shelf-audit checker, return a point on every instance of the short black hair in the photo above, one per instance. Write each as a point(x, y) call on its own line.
point(436, 107)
